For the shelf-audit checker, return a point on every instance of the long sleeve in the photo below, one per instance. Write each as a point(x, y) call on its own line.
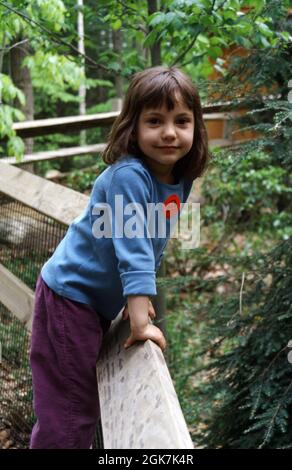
point(128, 195)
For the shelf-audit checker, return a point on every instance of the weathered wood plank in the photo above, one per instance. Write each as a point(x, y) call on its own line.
point(225, 143)
point(56, 154)
point(16, 296)
point(51, 199)
point(219, 116)
point(139, 406)
point(64, 124)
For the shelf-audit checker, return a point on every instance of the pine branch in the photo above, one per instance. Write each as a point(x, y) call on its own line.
point(271, 424)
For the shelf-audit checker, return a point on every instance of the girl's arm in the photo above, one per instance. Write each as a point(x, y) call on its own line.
point(151, 311)
point(141, 329)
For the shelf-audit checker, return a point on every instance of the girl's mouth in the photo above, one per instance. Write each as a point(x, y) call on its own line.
point(168, 147)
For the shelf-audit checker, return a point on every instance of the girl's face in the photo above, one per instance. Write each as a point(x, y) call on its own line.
point(165, 136)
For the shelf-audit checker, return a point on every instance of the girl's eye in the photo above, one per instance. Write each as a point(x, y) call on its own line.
point(183, 121)
point(153, 121)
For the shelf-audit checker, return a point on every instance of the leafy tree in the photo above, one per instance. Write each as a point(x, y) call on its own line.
point(21, 22)
point(246, 335)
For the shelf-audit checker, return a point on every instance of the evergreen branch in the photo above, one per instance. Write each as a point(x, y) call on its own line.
point(268, 433)
point(272, 362)
point(262, 382)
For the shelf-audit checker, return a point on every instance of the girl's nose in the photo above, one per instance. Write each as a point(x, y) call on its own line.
point(168, 132)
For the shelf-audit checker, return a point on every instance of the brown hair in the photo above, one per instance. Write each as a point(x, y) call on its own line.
point(152, 88)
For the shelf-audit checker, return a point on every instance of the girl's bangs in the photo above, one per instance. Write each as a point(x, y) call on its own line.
point(168, 92)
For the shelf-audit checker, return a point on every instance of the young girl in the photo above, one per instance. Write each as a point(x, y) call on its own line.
point(157, 147)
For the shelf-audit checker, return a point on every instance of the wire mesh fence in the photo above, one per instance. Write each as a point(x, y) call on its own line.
point(27, 240)
point(16, 396)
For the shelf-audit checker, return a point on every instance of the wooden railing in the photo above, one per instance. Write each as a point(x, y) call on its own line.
point(212, 116)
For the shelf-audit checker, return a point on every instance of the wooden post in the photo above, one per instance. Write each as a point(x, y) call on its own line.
point(139, 406)
point(16, 296)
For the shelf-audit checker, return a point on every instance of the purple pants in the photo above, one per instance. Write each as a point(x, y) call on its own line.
point(66, 341)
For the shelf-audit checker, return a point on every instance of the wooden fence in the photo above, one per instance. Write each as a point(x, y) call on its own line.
point(219, 126)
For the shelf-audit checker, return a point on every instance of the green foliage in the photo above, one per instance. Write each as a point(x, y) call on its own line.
point(55, 76)
point(195, 30)
point(52, 13)
point(251, 376)
point(9, 114)
point(9, 92)
point(48, 69)
point(242, 193)
point(22, 16)
point(15, 147)
point(276, 125)
point(190, 33)
point(82, 180)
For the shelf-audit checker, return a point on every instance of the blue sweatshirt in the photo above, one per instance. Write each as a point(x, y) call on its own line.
point(97, 263)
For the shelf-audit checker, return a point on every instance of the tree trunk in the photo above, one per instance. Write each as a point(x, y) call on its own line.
point(81, 49)
point(2, 50)
point(155, 49)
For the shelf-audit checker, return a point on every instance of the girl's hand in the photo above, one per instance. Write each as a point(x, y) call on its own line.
point(148, 332)
point(151, 311)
